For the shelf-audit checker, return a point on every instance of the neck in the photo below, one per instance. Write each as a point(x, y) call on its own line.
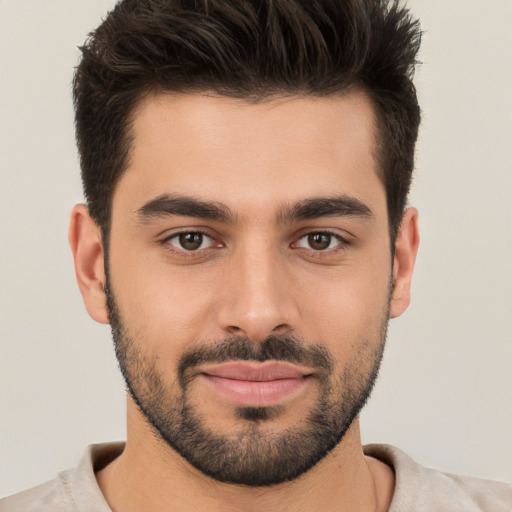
point(149, 475)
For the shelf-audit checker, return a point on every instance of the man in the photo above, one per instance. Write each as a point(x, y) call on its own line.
point(246, 167)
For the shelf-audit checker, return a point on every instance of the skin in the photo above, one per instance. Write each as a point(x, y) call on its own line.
point(256, 275)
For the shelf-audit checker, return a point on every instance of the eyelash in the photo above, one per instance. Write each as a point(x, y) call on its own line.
point(183, 252)
point(342, 244)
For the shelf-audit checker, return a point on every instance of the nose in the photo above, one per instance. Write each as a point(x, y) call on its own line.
point(257, 297)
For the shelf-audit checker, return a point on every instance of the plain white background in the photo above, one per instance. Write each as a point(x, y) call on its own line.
point(445, 390)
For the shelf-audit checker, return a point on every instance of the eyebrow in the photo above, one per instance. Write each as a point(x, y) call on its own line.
point(166, 205)
point(337, 206)
point(176, 205)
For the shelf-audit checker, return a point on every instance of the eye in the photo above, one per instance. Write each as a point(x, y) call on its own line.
point(191, 241)
point(320, 241)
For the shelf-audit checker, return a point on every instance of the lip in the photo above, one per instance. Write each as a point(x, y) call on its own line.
point(256, 384)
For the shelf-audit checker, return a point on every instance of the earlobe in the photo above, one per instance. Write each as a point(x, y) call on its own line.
point(87, 248)
point(406, 248)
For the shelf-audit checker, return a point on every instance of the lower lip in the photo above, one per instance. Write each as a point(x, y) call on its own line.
point(256, 393)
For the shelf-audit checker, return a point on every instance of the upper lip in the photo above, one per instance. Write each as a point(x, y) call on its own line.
point(256, 371)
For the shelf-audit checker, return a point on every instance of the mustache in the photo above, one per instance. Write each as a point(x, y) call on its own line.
point(240, 348)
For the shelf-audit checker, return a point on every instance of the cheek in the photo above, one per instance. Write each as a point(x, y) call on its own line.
point(348, 308)
point(164, 306)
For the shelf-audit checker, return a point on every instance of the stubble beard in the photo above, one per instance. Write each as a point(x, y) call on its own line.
point(252, 456)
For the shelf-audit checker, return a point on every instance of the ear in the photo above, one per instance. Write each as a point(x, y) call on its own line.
point(87, 248)
point(406, 248)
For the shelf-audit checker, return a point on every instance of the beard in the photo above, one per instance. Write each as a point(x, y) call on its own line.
point(253, 455)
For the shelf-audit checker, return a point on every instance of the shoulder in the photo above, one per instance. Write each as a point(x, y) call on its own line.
point(53, 495)
point(72, 490)
point(419, 488)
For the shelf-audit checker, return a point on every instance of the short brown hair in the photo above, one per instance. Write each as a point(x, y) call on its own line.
point(249, 49)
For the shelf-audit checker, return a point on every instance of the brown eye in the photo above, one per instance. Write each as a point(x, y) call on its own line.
point(190, 241)
point(319, 241)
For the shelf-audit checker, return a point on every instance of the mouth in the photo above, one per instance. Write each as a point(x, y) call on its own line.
point(254, 384)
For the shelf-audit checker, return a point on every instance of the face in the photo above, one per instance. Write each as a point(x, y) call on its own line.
point(249, 277)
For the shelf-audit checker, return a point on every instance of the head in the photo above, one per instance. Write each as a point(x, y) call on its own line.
point(248, 49)
point(246, 167)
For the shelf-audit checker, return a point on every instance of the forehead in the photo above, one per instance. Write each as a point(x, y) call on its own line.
point(240, 153)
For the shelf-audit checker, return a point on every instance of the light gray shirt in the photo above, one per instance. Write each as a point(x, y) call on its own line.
point(417, 488)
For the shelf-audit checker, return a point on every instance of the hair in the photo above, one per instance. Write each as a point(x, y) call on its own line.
point(252, 49)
